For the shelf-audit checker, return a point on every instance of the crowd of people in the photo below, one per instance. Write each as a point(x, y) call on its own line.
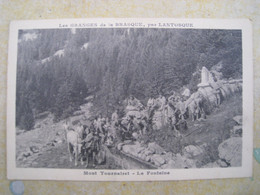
point(136, 121)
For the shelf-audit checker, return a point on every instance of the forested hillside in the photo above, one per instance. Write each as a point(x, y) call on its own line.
point(58, 68)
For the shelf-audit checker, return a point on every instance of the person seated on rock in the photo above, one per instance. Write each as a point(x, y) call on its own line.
point(186, 93)
point(161, 102)
point(130, 123)
point(127, 129)
point(173, 104)
point(131, 101)
point(109, 140)
point(177, 98)
point(134, 104)
point(140, 125)
point(172, 97)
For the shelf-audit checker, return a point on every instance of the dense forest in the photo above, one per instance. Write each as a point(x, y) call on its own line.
point(58, 68)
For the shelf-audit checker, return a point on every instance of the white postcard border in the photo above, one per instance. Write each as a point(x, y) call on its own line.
point(133, 175)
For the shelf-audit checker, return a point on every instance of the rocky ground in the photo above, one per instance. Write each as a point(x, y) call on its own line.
point(214, 142)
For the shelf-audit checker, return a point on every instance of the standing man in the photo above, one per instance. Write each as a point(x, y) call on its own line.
point(182, 108)
point(170, 114)
point(99, 128)
point(115, 118)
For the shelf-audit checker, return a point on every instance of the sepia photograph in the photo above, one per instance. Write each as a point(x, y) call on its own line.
point(115, 101)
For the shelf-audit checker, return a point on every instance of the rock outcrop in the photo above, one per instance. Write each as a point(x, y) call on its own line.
point(230, 151)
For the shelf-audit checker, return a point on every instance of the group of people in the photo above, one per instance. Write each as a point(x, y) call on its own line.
point(136, 121)
point(172, 110)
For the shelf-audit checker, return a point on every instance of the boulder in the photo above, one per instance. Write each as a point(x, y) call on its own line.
point(168, 156)
point(127, 141)
point(224, 93)
point(157, 160)
point(34, 149)
point(37, 126)
point(119, 146)
point(208, 94)
point(20, 157)
point(133, 149)
point(148, 158)
point(35, 163)
point(100, 157)
point(153, 147)
point(211, 165)
point(233, 87)
point(78, 113)
point(238, 119)
point(183, 162)
point(59, 133)
point(178, 161)
point(159, 119)
point(27, 154)
point(142, 156)
point(58, 140)
point(221, 163)
point(236, 131)
point(135, 135)
point(192, 151)
point(189, 163)
point(225, 90)
point(169, 165)
point(218, 75)
point(231, 151)
point(138, 149)
point(127, 149)
point(135, 113)
point(148, 152)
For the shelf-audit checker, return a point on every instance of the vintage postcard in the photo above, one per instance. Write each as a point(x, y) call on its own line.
point(130, 99)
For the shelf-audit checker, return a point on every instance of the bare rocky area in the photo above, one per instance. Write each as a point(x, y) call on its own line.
point(213, 142)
